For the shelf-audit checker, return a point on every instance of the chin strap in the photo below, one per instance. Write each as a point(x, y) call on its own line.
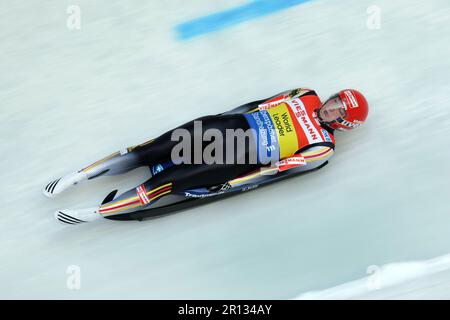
point(318, 114)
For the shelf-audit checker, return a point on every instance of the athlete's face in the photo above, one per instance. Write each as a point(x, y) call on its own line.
point(332, 110)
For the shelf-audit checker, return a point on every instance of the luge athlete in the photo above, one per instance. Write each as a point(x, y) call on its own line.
point(291, 132)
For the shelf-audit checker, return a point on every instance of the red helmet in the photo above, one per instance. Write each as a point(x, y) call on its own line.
point(345, 110)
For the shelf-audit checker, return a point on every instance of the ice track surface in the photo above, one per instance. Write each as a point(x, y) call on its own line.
point(70, 97)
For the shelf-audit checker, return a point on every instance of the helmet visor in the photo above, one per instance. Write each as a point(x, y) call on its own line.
point(332, 109)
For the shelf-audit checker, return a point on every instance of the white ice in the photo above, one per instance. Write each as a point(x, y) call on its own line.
point(70, 97)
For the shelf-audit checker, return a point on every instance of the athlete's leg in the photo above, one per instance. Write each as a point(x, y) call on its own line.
point(171, 181)
point(113, 164)
point(146, 154)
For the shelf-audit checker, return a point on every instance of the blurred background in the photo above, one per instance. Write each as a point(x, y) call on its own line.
point(82, 79)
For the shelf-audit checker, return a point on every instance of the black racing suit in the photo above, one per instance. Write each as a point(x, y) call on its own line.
point(191, 175)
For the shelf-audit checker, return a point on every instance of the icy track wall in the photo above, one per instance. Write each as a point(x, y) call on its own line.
point(133, 70)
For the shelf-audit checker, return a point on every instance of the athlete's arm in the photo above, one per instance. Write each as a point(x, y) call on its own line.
point(245, 107)
point(308, 160)
point(269, 102)
point(283, 97)
point(315, 156)
point(305, 160)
